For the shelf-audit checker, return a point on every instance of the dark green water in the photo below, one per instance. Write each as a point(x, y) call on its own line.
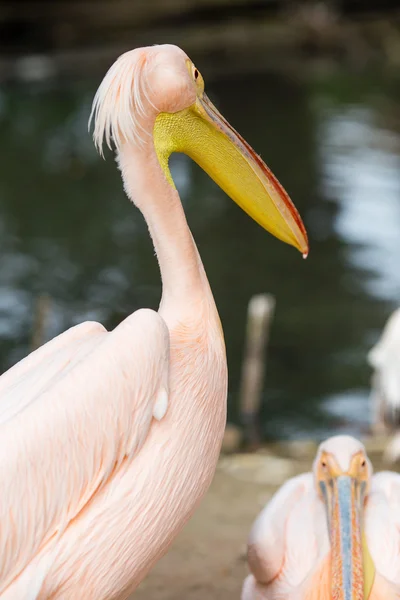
point(68, 230)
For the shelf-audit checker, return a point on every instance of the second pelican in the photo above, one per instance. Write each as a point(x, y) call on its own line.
point(333, 534)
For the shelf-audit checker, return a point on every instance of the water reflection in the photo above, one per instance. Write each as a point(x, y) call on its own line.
point(362, 168)
point(68, 230)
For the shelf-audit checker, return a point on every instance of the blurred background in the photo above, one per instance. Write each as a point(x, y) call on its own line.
point(313, 86)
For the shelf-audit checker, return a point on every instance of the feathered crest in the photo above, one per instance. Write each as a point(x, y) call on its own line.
point(120, 103)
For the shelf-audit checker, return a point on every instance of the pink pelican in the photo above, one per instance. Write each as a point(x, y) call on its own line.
point(109, 440)
point(333, 534)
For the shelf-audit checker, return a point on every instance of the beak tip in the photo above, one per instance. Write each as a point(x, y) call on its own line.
point(305, 248)
point(301, 243)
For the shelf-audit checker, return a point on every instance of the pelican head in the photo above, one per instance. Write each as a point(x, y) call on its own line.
point(343, 474)
point(154, 97)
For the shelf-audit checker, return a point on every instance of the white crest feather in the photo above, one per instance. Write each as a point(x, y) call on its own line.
point(120, 103)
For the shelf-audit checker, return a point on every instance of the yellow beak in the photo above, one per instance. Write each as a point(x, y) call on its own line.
point(202, 133)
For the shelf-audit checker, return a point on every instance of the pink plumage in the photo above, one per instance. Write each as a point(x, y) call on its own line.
point(109, 440)
point(96, 487)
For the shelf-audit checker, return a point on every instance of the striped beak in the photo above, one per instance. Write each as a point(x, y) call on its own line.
point(344, 497)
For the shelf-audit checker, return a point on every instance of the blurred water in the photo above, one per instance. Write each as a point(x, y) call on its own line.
point(362, 169)
point(67, 229)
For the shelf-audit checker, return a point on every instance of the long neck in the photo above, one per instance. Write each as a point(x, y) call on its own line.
point(181, 269)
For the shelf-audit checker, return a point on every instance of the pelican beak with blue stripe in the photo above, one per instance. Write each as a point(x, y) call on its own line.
point(343, 487)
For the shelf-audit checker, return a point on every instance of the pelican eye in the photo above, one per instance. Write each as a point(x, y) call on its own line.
point(197, 79)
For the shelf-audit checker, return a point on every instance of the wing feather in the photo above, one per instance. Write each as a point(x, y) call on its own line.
point(382, 525)
point(283, 540)
point(20, 384)
point(74, 427)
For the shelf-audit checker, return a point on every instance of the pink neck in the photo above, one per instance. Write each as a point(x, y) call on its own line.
point(181, 269)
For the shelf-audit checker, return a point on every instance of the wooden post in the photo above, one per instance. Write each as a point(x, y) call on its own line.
point(42, 309)
point(260, 313)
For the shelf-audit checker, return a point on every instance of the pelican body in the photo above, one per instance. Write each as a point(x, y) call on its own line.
point(333, 534)
point(109, 440)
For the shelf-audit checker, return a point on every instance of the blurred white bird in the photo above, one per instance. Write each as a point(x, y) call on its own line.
point(384, 358)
